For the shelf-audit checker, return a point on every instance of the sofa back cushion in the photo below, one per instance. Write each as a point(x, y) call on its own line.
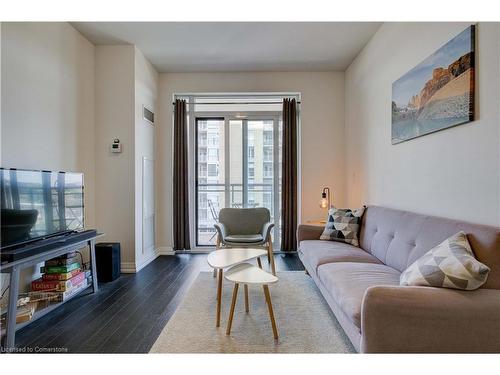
point(398, 238)
point(244, 220)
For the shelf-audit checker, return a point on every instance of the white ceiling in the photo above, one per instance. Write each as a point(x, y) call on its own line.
point(238, 46)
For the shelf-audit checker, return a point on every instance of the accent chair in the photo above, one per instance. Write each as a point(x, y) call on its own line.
point(246, 227)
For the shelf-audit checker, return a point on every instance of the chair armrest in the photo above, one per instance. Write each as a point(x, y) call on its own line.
point(308, 232)
point(221, 230)
point(266, 230)
point(431, 320)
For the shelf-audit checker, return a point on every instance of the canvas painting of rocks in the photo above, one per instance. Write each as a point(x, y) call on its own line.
point(438, 93)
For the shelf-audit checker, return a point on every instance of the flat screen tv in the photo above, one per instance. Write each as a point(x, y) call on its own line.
point(39, 204)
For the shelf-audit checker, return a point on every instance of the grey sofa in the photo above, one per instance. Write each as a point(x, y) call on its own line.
point(361, 285)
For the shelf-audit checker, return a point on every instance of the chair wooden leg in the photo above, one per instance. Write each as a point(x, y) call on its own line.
point(231, 312)
point(219, 297)
point(271, 312)
point(247, 306)
point(217, 247)
point(270, 254)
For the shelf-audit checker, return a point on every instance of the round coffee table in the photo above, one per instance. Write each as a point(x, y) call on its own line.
point(248, 274)
point(224, 258)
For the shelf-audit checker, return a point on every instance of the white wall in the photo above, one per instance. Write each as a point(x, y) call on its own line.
point(453, 173)
point(146, 94)
point(115, 118)
point(322, 123)
point(48, 102)
point(0, 94)
point(125, 81)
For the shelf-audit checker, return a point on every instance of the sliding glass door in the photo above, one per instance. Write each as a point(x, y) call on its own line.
point(237, 160)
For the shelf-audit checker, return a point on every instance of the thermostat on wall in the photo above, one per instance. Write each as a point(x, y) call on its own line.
point(116, 146)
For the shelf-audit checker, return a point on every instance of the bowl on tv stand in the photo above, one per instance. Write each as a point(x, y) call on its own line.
point(17, 224)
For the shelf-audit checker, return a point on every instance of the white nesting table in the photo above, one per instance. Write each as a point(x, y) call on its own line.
point(224, 258)
point(246, 274)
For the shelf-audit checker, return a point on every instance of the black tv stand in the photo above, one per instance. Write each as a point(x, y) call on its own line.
point(32, 254)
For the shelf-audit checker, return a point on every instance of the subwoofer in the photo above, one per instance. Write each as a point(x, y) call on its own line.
point(108, 261)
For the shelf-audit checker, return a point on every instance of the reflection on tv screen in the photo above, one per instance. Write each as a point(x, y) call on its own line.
point(37, 204)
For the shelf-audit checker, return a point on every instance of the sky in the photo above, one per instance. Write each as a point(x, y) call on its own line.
point(413, 81)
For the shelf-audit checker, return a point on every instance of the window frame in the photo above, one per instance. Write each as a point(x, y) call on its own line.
point(190, 98)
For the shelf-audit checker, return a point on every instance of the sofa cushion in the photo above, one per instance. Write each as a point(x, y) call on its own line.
point(343, 225)
point(348, 282)
point(318, 252)
point(451, 264)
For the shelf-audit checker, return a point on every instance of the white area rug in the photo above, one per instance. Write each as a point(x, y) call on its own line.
point(305, 322)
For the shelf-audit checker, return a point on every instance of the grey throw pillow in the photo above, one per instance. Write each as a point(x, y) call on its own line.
point(343, 225)
point(451, 264)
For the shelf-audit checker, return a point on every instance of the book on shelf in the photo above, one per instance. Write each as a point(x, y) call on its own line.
point(62, 261)
point(60, 269)
point(60, 276)
point(57, 285)
point(64, 296)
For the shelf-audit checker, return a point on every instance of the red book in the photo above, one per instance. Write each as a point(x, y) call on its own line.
point(58, 286)
point(60, 276)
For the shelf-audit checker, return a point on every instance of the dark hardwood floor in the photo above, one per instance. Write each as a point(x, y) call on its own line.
point(128, 314)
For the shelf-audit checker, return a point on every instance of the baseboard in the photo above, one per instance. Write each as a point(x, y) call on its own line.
point(165, 250)
point(127, 267)
point(132, 267)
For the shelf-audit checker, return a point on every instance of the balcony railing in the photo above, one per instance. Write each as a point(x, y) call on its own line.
point(206, 220)
point(236, 192)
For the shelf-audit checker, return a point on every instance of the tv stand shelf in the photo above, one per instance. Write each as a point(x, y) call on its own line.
point(58, 248)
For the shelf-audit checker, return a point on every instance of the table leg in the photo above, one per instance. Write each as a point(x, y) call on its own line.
point(219, 297)
point(259, 263)
point(12, 309)
point(95, 287)
point(270, 252)
point(270, 308)
point(247, 309)
point(231, 312)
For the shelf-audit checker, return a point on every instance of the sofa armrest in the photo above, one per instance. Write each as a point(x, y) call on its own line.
point(432, 320)
point(308, 232)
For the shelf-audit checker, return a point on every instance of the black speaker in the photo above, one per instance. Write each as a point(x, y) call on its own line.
point(107, 255)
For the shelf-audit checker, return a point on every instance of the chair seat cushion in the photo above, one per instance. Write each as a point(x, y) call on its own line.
point(317, 252)
point(348, 282)
point(244, 238)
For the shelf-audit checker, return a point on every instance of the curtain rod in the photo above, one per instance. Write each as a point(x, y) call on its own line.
point(298, 102)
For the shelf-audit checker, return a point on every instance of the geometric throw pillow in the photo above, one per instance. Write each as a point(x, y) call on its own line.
point(450, 264)
point(343, 225)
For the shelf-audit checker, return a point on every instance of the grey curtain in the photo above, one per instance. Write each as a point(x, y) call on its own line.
point(181, 193)
point(289, 177)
